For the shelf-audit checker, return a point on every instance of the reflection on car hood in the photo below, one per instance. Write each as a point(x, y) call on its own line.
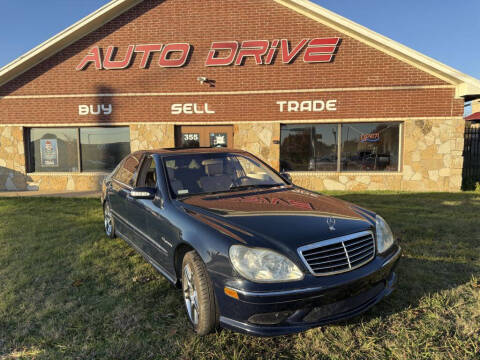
point(288, 215)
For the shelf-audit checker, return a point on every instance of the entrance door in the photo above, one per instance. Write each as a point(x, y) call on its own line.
point(204, 136)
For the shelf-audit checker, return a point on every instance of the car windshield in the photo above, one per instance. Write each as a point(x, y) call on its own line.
point(193, 174)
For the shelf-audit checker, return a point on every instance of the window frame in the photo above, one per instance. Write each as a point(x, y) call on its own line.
point(140, 158)
point(340, 147)
point(29, 154)
point(146, 160)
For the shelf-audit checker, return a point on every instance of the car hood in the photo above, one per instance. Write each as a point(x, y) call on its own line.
point(285, 216)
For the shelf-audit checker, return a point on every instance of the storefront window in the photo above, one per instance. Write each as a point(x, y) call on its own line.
point(54, 150)
point(103, 148)
point(57, 149)
point(363, 147)
point(309, 147)
point(370, 147)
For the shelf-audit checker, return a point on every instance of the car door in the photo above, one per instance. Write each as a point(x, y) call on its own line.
point(119, 197)
point(149, 216)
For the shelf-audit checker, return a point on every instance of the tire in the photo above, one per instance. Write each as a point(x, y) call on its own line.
point(108, 221)
point(198, 294)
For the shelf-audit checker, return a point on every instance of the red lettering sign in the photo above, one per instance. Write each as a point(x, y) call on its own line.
point(255, 48)
point(166, 61)
point(110, 64)
point(92, 57)
point(288, 56)
point(321, 50)
point(214, 60)
point(271, 52)
point(373, 137)
point(221, 53)
point(147, 51)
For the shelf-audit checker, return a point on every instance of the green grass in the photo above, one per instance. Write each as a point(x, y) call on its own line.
point(68, 292)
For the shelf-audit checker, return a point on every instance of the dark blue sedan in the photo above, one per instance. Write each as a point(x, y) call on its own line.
point(251, 251)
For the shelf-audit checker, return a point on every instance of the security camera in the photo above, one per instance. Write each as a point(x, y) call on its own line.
point(202, 79)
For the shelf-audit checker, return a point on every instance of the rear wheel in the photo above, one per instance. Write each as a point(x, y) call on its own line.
point(198, 294)
point(108, 221)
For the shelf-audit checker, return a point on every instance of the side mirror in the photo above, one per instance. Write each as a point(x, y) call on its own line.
point(143, 193)
point(287, 177)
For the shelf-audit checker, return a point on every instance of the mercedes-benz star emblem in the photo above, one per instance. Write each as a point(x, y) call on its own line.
point(331, 223)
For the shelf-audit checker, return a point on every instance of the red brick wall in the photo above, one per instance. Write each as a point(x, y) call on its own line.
point(351, 105)
point(199, 22)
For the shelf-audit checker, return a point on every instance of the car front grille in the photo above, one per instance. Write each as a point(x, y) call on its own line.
point(338, 255)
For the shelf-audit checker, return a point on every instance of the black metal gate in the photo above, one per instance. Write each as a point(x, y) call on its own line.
point(471, 158)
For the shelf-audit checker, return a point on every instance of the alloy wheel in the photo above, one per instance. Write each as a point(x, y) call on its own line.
point(190, 294)
point(108, 220)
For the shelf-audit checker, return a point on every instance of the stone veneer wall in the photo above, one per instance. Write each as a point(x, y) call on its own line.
point(12, 158)
point(13, 174)
point(65, 181)
point(258, 138)
point(151, 136)
point(432, 161)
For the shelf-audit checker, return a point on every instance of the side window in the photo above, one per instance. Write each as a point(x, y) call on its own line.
point(127, 174)
point(117, 169)
point(148, 174)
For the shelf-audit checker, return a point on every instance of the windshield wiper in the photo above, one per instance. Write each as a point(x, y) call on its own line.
point(233, 188)
point(251, 186)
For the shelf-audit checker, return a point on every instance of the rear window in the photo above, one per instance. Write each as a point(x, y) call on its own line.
point(127, 174)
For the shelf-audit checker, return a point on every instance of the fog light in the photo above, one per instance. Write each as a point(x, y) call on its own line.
point(230, 292)
point(269, 318)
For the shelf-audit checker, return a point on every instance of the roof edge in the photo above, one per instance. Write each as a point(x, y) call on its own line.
point(65, 38)
point(466, 84)
point(473, 117)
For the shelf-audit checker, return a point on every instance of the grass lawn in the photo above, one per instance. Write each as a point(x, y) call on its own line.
point(68, 292)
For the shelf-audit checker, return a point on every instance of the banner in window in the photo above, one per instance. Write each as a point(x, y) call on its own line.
point(48, 152)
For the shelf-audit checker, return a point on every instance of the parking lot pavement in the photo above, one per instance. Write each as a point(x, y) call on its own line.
point(66, 194)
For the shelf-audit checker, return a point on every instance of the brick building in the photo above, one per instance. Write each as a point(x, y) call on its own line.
point(308, 91)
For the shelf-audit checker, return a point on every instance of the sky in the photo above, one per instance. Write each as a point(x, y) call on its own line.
point(443, 29)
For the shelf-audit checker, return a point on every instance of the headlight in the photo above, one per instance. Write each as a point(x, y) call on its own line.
point(262, 265)
point(384, 235)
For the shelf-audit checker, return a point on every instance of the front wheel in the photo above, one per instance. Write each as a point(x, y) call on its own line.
point(108, 221)
point(198, 294)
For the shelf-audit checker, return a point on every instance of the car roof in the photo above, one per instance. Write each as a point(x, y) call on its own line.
point(183, 151)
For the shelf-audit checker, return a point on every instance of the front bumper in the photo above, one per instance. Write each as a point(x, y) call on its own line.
point(293, 309)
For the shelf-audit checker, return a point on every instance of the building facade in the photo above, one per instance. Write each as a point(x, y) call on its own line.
point(310, 92)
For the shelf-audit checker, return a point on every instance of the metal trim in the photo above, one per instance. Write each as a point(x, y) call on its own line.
point(277, 293)
point(346, 254)
point(337, 240)
point(123, 184)
point(393, 258)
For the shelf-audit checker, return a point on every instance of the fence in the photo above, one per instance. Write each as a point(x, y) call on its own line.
point(471, 158)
